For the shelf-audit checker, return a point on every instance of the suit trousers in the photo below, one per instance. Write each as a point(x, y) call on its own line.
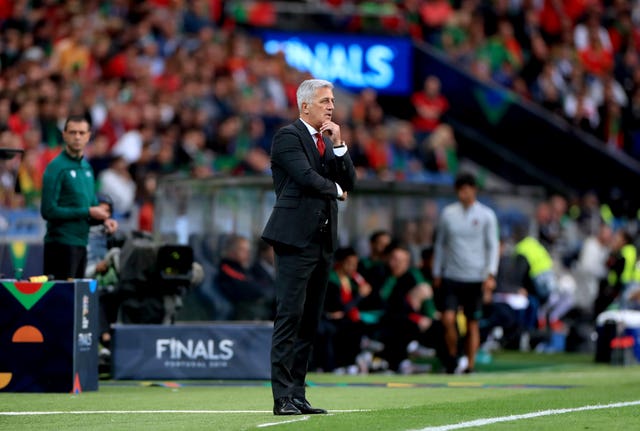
point(301, 284)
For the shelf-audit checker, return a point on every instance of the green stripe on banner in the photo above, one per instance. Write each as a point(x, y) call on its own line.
point(27, 297)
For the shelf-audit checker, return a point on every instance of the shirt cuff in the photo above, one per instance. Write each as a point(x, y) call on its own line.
point(340, 192)
point(340, 151)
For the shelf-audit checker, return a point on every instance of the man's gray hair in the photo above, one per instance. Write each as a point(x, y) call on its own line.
point(308, 88)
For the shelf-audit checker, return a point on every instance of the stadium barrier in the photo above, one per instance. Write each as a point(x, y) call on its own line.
point(224, 350)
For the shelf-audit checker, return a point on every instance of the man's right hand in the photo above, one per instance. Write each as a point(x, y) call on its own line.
point(344, 196)
point(99, 213)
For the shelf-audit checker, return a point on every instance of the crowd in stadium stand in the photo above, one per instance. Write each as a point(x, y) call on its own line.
point(577, 58)
point(178, 88)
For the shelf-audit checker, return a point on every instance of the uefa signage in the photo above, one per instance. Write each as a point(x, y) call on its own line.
point(220, 350)
point(354, 62)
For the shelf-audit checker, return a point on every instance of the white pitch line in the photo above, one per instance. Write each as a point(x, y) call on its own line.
point(303, 418)
point(126, 412)
point(491, 421)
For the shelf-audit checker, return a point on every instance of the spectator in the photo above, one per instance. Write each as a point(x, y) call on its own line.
point(611, 127)
point(591, 28)
point(263, 271)
point(591, 267)
point(549, 87)
point(434, 14)
point(454, 38)
point(373, 269)
point(581, 109)
point(377, 150)
point(103, 264)
point(251, 300)
point(430, 106)
point(563, 228)
point(440, 151)
point(510, 308)
point(9, 168)
point(116, 182)
point(409, 311)
point(596, 59)
point(502, 48)
point(620, 269)
point(342, 331)
point(146, 204)
point(406, 161)
point(545, 291)
point(71, 54)
point(365, 109)
point(586, 213)
point(31, 169)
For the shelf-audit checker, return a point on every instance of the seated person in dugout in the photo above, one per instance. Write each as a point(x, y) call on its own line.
point(341, 334)
point(409, 313)
point(251, 299)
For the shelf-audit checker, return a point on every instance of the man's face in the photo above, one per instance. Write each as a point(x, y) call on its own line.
point(381, 243)
point(350, 264)
point(320, 110)
point(76, 136)
point(399, 262)
point(466, 194)
point(242, 253)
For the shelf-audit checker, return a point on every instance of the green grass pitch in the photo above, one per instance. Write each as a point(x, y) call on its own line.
point(516, 391)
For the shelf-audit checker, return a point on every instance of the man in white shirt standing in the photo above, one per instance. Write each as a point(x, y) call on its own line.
point(466, 256)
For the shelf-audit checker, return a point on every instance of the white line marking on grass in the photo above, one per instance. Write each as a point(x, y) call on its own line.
point(303, 418)
point(126, 412)
point(491, 421)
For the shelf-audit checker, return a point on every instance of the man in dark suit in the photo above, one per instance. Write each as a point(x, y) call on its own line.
point(311, 170)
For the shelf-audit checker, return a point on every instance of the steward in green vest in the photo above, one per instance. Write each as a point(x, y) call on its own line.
point(621, 264)
point(540, 266)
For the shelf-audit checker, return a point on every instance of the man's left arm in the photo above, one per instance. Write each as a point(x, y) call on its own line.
point(493, 244)
point(345, 173)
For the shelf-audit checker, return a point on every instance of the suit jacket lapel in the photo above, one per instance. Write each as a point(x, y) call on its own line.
point(309, 144)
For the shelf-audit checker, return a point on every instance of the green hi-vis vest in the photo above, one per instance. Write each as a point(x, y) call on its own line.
point(629, 253)
point(536, 254)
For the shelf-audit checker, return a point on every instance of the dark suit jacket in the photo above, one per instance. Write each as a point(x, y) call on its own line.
point(305, 187)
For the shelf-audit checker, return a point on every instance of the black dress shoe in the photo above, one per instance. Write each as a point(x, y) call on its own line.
point(303, 405)
point(284, 406)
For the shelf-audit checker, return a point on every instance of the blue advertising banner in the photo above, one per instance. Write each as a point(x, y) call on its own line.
point(351, 61)
point(48, 336)
point(192, 351)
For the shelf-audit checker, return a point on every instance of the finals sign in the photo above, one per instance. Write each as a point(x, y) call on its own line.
point(221, 350)
point(355, 62)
